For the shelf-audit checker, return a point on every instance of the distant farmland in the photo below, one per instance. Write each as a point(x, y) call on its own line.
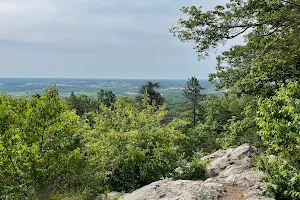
point(19, 87)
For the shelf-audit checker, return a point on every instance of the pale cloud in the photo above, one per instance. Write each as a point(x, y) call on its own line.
point(72, 34)
point(72, 21)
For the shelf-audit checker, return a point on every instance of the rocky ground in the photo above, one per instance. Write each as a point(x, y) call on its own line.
point(229, 178)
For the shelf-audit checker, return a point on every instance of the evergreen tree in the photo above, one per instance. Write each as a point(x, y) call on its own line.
point(153, 95)
point(106, 97)
point(192, 95)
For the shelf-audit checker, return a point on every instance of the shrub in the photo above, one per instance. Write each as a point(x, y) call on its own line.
point(131, 148)
point(193, 170)
point(40, 146)
point(282, 179)
point(278, 117)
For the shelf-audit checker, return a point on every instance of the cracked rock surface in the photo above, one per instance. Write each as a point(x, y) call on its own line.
point(229, 178)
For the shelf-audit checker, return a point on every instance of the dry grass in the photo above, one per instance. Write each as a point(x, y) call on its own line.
point(235, 193)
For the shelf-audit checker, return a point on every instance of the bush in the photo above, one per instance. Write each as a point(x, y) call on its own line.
point(282, 180)
point(278, 117)
point(193, 170)
point(231, 120)
point(40, 146)
point(131, 148)
point(198, 139)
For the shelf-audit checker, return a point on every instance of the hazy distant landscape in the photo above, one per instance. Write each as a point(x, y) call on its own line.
point(19, 87)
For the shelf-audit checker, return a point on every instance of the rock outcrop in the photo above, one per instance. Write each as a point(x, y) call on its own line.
point(229, 177)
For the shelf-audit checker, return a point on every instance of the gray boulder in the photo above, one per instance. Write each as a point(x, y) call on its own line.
point(229, 178)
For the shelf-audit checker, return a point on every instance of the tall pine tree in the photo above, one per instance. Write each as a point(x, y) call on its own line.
point(193, 96)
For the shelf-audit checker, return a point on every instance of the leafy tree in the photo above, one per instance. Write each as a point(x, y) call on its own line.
point(193, 96)
point(218, 110)
point(228, 121)
point(241, 128)
point(82, 104)
point(153, 95)
point(219, 113)
point(278, 118)
point(271, 54)
point(108, 98)
point(131, 148)
point(40, 146)
point(267, 61)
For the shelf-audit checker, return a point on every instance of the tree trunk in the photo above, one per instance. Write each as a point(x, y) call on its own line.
point(194, 113)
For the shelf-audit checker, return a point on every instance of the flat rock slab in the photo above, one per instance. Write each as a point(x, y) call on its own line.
point(229, 178)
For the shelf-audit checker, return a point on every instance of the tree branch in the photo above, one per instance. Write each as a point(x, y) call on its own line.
point(229, 37)
point(267, 46)
point(286, 1)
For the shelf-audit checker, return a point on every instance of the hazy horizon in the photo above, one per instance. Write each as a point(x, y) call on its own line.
point(107, 78)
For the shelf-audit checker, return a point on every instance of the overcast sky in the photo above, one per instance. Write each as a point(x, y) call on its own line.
point(96, 39)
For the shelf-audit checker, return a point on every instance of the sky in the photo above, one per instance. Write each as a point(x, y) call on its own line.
point(97, 39)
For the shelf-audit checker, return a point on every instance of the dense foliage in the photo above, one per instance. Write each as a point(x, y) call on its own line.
point(278, 118)
point(128, 149)
point(82, 104)
point(270, 56)
point(106, 97)
point(40, 146)
point(266, 65)
point(49, 151)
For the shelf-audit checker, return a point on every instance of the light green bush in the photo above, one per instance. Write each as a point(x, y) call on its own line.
point(131, 148)
point(40, 146)
point(279, 120)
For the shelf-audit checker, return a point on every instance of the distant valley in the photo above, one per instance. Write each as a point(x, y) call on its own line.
point(20, 87)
